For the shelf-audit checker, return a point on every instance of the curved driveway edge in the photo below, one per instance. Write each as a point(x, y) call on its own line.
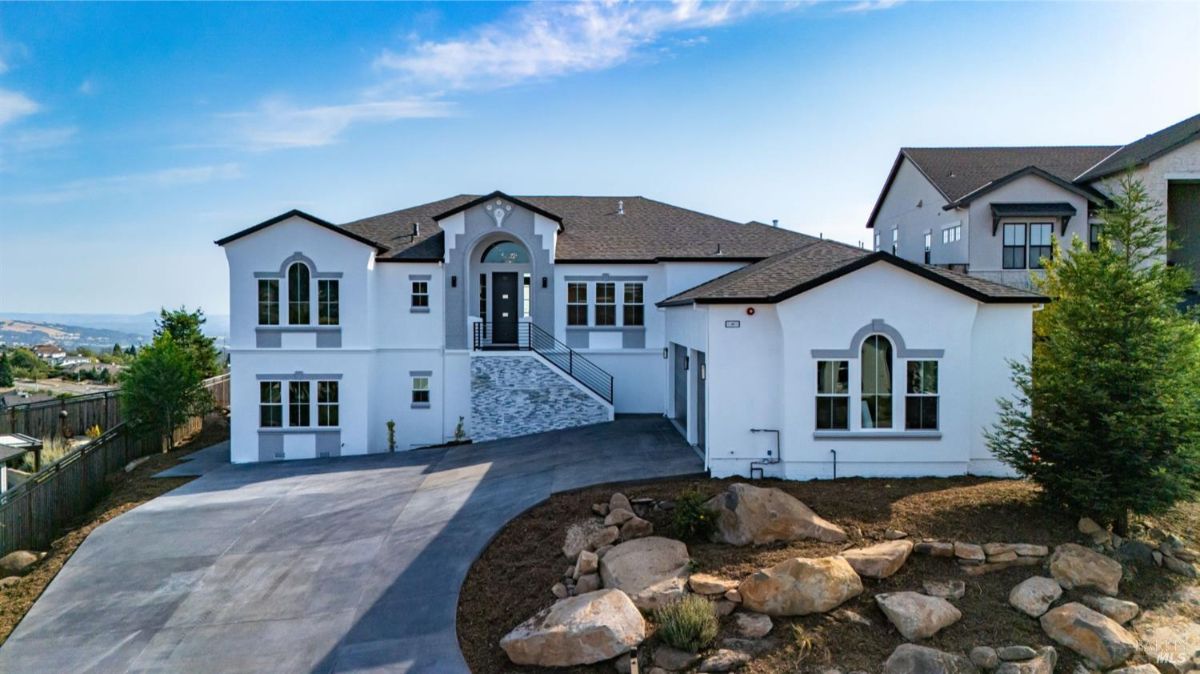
point(330, 565)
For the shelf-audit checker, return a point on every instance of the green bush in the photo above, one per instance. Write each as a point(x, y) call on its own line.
point(691, 520)
point(689, 624)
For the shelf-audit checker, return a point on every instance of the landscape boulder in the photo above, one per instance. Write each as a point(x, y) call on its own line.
point(934, 548)
point(724, 660)
point(674, 659)
point(584, 564)
point(579, 537)
point(652, 571)
point(914, 659)
point(603, 537)
point(579, 630)
point(589, 582)
point(618, 517)
point(1015, 653)
point(880, 560)
point(915, 615)
point(752, 625)
point(1076, 567)
point(1136, 669)
point(984, 657)
point(1033, 596)
point(1041, 661)
point(800, 586)
point(636, 527)
point(1090, 634)
point(946, 589)
point(704, 583)
point(1117, 609)
point(746, 515)
point(619, 501)
point(969, 552)
point(19, 562)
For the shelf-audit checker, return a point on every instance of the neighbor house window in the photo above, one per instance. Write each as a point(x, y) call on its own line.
point(876, 240)
point(420, 390)
point(483, 297)
point(876, 382)
point(1040, 235)
point(577, 304)
point(1095, 229)
point(921, 401)
point(327, 403)
point(606, 304)
point(420, 294)
point(268, 301)
point(634, 307)
point(298, 403)
point(928, 245)
point(270, 404)
point(895, 240)
point(297, 278)
point(1014, 245)
point(951, 234)
point(833, 394)
point(327, 302)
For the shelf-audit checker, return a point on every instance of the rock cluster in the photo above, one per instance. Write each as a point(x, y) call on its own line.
point(621, 519)
point(983, 558)
point(1165, 549)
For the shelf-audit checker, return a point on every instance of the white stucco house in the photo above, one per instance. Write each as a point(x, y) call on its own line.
point(993, 211)
point(775, 353)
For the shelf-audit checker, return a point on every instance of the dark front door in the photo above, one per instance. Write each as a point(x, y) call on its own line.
point(504, 307)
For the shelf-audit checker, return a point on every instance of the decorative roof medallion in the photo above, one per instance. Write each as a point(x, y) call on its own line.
point(498, 210)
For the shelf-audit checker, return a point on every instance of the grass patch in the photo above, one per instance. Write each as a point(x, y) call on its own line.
point(689, 624)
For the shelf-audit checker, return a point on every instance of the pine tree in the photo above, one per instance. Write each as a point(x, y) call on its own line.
point(1107, 419)
point(6, 373)
point(185, 328)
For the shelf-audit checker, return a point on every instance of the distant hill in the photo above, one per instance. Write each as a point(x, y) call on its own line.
point(93, 330)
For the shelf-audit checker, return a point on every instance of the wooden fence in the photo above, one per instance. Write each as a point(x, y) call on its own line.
point(34, 513)
point(45, 419)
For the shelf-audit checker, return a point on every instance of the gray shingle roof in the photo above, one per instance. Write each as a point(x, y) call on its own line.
point(593, 230)
point(1143, 150)
point(958, 171)
point(788, 274)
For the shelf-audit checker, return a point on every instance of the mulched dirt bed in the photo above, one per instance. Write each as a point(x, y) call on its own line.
point(129, 490)
point(511, 580)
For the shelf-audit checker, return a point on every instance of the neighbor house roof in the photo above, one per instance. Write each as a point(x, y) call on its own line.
point(593, 229)
point(1145, 149)
point(788, 274)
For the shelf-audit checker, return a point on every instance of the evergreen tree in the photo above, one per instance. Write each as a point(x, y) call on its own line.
point(116, 350)
point(163, 388)
point(6, 373)
point(186, 329)
point(1107, 419)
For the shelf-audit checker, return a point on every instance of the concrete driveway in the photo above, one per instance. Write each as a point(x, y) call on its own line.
point(342, 565)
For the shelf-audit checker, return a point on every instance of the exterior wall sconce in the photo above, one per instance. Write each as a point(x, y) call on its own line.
point(545, 282)
point(453, 281)
point(665, 353)
point(704, 372)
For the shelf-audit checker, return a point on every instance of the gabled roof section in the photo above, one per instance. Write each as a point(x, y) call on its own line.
point(500, 195)
point(789, 274)
point(1145, 150)
point(616, 229)
point(1083, 191)
point(305, 216)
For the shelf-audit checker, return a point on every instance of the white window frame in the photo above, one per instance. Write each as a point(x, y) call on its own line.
point(278, 405)
point(626, 304)
point(325, 406)
point(333, 305)
point(822, 396)
point(421, 384)
point(577, 303)
point(923, 395)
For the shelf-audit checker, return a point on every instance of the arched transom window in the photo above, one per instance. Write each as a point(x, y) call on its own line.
point(298, 294)
point(506, 252)
point(876, 382)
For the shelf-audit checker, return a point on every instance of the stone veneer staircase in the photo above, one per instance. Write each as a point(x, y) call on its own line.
point(518, 393)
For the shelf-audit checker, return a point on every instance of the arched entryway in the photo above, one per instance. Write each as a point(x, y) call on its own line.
point(502, 290)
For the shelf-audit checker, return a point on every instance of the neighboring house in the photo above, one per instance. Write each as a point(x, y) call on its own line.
point(994, 211)
point(51, 353)
point(13, 398)
point(522, 314)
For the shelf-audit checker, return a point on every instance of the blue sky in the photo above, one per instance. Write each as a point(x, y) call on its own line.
point(132, 136)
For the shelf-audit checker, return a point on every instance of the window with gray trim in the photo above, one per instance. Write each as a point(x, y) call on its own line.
point(268, 301)
point(876, 363)
point(895, 241)
point(1095, 231)
point(833, 395)
point(1014, 246)
point(577, 304)
point(327, 403)
point(298, 294)
point(298, 404)
point(928, 245)
point(420, 390)
point(327, 302)
point(634, 308)
point(270, 404)
point(1041, 235)
point(420, 294)
point(921, 401)
point(606, 303)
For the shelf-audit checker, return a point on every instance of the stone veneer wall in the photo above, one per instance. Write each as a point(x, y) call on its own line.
point(519, 395)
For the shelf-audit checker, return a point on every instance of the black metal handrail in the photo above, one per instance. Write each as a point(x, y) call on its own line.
point(529, 337)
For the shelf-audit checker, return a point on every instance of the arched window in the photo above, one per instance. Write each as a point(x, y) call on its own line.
point(298, 301)
point(876, 382)
point(506, 252)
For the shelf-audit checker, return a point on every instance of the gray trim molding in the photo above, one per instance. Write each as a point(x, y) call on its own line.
point(296, 376)
point(877, 326)
point(271, 336)
point(421, 406)
point(420, 373)
point(604, 278)
point(418, 310)
point(605, 328)
point(877, 435)
point(298, 257)
point(420, 277)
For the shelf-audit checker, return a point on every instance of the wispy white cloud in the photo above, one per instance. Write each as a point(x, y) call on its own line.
point(136, 182)
point(32, 140)
point(277, 124)
point(871, 5)
point(14, 105)
point(546, 40)
point(88, 87)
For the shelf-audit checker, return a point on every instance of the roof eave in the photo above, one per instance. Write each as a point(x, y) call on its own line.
point(992, 185)
point(497, 194)
point(299, 214)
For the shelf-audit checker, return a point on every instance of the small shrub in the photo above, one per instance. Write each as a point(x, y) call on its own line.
point(691, 520)
point(689, 624)
point(391, 436)
point(460, 433)
point(94, 432)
